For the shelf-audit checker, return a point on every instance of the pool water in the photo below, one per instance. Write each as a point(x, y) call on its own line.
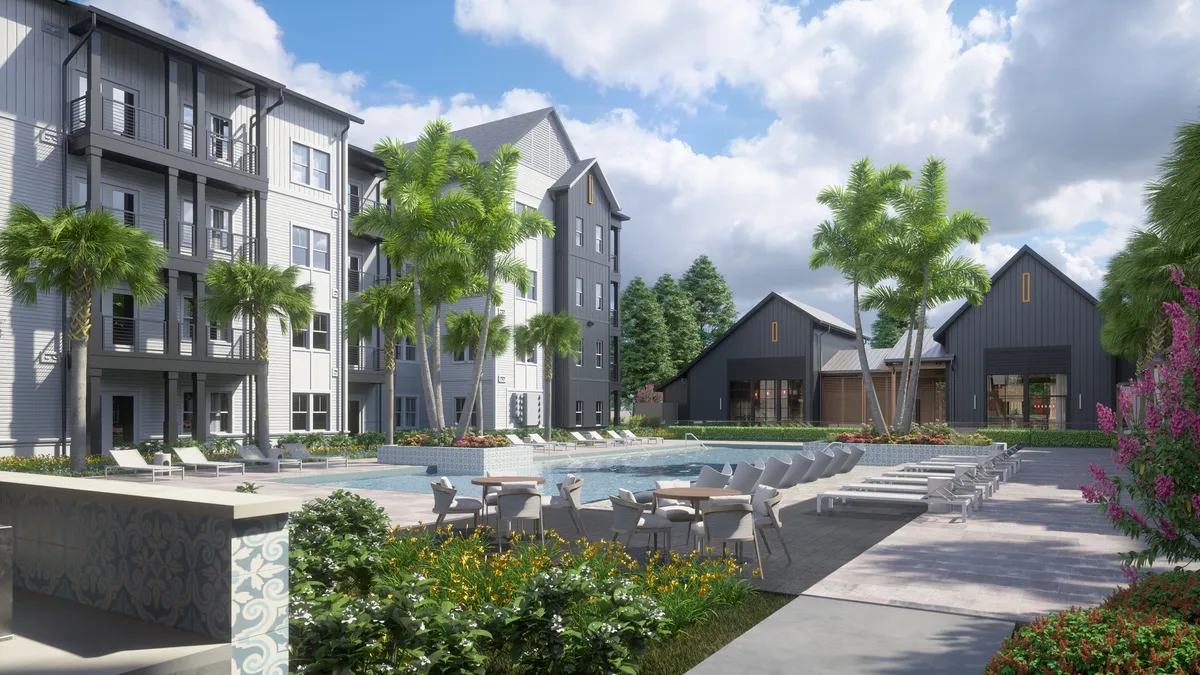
point(602, 475)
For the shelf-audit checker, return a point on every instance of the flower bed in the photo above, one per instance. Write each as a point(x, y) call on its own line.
point(445, 439)
point(367, 602)
point(460, 460)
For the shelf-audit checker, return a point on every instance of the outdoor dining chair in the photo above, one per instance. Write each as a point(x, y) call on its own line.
point(569, 497)
point(521, 503)
point(630, 518)
point(447, 501)
point(728, 523)
point(766, 515)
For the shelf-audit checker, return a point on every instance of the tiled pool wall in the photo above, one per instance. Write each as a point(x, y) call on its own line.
point(461, 461)
point(891, 455)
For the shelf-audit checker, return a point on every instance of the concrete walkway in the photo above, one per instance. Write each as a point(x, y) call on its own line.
point(835, 637)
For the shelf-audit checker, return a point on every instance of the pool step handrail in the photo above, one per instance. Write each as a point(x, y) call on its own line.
point(690, 436)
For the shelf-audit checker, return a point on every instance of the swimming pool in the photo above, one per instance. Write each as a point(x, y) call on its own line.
point(602, 474)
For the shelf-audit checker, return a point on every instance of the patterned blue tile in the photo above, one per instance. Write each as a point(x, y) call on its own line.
point(260, 603)
point(263, 654)
point(259, 545)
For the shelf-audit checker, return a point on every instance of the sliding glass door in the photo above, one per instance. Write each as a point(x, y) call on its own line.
point(1038, 401)
point(766, 401)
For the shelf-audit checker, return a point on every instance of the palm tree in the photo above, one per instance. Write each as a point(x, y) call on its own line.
point(557, 335)
point(493, 237)
point(388, 308)
point(951, 279)
point(929, 237)
point(462, 335)
point(258, 293)
point(418, 227)
point(74, 254)
point(850, 244)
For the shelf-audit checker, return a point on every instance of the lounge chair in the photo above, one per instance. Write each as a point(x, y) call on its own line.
point(961, 477)
point(630, 518)
point(250, 454)
point(745, 478)
point(821, 460)
point(518, 442)
point(940, 470)
point(840, 456)
point(300, 451)
point(774, 471)
point(645, 439)
point(538, 441)
point(594, 436)
point(569, 498)
point(194, 459)
point(132, 460)
point(856, 453)
point(447, 501)
point(617, 438)
point(711, 478)
point(938, 490)
point(801, 463)
point(728, 524)
point(580, 440)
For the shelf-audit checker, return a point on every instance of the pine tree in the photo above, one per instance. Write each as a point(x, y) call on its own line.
point(645, 352)
point(683, 336)
point(886, 331)
point(711, 297)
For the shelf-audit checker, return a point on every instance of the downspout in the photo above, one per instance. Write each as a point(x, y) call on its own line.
point(254, 127)
point(64, 357)
point(343, 225)
point(816, 385)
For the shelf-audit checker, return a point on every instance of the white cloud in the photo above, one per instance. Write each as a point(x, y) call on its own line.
point(993, 256)
point(406, 120)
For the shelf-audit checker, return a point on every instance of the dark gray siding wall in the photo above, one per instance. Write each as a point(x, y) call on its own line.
point(708, 380)
point(677, 393)
point(585, 383)
point(825, 344)
point(1056, 316)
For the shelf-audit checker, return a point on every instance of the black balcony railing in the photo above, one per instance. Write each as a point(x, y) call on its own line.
point(232, 152)
point(359, 204)
point(364, 359)
point(230, 246)
point(77, 114)
point(131, 121)
point(357, 281)
point(137, 336)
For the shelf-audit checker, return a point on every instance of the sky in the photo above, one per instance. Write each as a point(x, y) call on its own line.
point(717, 122)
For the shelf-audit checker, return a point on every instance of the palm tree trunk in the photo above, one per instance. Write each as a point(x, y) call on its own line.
point(437, 367)
point(902, 395)
point(549, 376)
point(868, 383)
point(422, 356)
point(915, 374)
point(389, 366)
point(79, 331)
point(477, 371)
point(262, 403)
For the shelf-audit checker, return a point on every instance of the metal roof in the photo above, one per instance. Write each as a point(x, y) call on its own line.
point(819, 314)
point(846, 360)
point(577, 171)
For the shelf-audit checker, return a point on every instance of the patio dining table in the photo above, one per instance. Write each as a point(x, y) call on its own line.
point(695, 495)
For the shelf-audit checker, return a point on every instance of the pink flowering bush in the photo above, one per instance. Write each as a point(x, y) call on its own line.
point(647, 395)
point(1157, 497)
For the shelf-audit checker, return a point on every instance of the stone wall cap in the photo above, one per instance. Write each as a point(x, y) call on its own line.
point(233, 505)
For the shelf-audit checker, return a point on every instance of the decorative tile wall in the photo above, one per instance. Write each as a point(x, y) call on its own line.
point(6, 582)
point(461, 461)
point(223, 578)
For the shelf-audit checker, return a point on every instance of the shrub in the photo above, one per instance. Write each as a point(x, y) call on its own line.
point(1099, 641)
point(370, 439)
point(445, 439)
point(732, 433)
point(916, 438)
point(1175, 594)
point(1048, 438)
point(333, 541)
point(647, 395)
point(53, 466)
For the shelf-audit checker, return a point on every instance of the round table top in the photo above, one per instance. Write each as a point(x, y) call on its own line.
point(497, 480)
point(694, 492)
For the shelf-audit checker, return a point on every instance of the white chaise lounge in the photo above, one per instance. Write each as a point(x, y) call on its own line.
point(132, 460)
point(937, 492)
point(300, 451)
point(801, 464)
point(250, 454)
point(645, 439)
point(580, 440)
point(194, 459)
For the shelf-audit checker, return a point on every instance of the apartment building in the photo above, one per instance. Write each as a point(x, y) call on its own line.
point(577, 270)
point(218, 163)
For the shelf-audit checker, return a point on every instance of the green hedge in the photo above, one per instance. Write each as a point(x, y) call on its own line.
point(730, 433)
point(1042, 438)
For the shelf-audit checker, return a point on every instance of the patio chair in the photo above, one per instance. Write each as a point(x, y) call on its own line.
point(645, 439)
point(569, 498)
point(801, 463)
point(539, 441)
point(250, 454)
point(630, 518)
point(674, 510)
point(132, 460)
point(617, 438)
point(517, 441)
point(942, 470)
point(728, 524)
point(594, 436)
point(974, 496)
point(774, 471)
point(711, 478)
point(300, 451)
point(193, 458)
point(745, 478)
point(856, 453)
point(962, 477)
point(580, 440)
point(840, 456)
point(936, 491)
point(766, 515)
point(518, 502)
point(447, 501)
point(821, 461)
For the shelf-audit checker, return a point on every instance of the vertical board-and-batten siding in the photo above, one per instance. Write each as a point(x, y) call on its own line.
point(1056, 315)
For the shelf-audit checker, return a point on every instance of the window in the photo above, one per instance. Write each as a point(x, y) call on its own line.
point(774, 331)
point(1006, 400)
point(354, 192)
point(791, 400)
point(220, 333)
point(188, 318)
point(464, 355)
point(531, 294)
point(187, 219)
point(187, 134)
point(1025, 287)
point(299, 246)
point(320, 331)
point(219, 138)
point(460, 404)
point(599, 239)
point(531, 357)
point(578, 413)
point(189, 411)
point(599, 413)
point(599, 354)
point(578, 231)
point(614, 369)
point(406, 350)
point(599, 297)
point(219, 229)
point(320, 250)
point(579, 354)
point(578, 291)
point(310, 167)
point(591, 189)
point(300, 336)
point(219, 418)
point(299, 412)
point(406, 412)
point(320, 412)
point(613, 244)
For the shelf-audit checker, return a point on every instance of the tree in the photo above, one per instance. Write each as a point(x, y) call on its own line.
point(850, 244)
point(715, 311)
point(887, 330)
point(558, 335)
point(928, 236)
point(683, 336)
point(258, 293)
point(462, 335)
point(1138, 280)
point(493, 236)
point(418, 225)
point(75, 254)
point(645, 355)
point(389, 309)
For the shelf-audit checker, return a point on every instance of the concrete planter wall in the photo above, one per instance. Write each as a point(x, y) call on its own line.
point(461, 461)
point(880, 454)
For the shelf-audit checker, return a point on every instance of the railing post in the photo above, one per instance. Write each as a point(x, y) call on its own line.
point(174, 116)
point(260, 224)
point(172, 233)
point(171, 311)
point(200, 222)
point(171, 410)
point(95, 92)
point(200, 138)
point(200, 341)
point(200, 406)
point(260, 135)
point(94, 405)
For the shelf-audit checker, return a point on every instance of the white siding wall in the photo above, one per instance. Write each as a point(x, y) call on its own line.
point(147, 389)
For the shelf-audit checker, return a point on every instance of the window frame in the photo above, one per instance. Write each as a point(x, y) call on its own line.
point(314, 237)
point(599, 413)
point(599, 353)
point(599, 296)
point(579, 291)
point(304, 410)
point(222, 415)
point(311, 172)
point(315, 398)
point(599, 239)
point(327, 332)
point(403, 411)
point(578, 413)
point(306, 332)
point(579, 231)
point(307, 247)
point(579, 353)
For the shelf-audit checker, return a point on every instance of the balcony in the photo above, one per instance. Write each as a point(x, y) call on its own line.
point(359, 204)
point(365, 364)
point(232, 152)
point(357, 281)
point(125, 335)
point(222, 244)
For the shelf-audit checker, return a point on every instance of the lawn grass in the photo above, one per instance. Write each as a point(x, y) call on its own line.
point(680, 653)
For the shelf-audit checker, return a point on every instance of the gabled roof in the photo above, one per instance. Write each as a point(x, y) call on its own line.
point(846, 360)
point(1025, 250)
point(579, 170)
point(813, 313)
point(486, 137)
